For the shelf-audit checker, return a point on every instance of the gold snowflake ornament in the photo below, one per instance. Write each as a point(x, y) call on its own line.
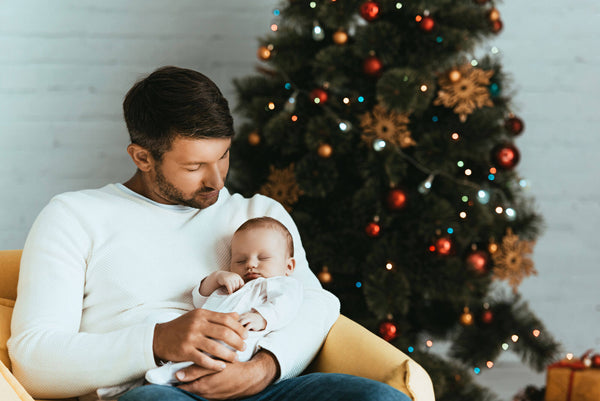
point(390, 126)
point(282, 186)
point(511, 260)
point(467, 92)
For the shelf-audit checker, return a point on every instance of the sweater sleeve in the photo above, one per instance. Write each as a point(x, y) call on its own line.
point(50, 356)
point(297, 343)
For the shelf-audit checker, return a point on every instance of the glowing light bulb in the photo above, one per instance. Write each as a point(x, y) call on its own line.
point(514, 338)
point(318, 33)
point(379, 145)
point(483, 196)
point(536, 333)
point(425, 186)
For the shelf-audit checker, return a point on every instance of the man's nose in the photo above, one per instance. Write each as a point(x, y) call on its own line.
point(213, 178)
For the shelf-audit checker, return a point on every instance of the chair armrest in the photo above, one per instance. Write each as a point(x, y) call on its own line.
point(351, 349)
point(10, 388)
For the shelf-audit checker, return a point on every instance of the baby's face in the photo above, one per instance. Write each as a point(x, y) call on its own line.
point(260, 252)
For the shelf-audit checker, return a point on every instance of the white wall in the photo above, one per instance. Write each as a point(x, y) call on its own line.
point(66, 65)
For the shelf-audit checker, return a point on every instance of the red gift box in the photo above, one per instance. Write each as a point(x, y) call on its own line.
point(575, 379)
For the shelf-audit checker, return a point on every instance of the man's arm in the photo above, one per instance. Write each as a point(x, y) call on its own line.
point(50, 357)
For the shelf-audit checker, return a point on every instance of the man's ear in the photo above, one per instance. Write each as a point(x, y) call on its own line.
point(290, 266)
point(141, 157)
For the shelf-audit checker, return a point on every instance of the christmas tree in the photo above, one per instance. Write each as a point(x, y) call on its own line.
point(393, 148)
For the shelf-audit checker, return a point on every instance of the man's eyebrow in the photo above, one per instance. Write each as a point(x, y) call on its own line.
point(198, 163)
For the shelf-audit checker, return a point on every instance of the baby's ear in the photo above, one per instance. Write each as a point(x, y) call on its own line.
point(291, 265)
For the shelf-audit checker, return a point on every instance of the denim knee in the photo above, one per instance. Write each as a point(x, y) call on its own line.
point(154, 392)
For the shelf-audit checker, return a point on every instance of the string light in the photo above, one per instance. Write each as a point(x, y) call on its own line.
point(426, 185)
point(389, 266)
point(398, 6)
point(274, 27)
point(455, 136)
point(536, 333)
point(294, 118)
point(489, 364)
point(429, 343)
point(505, 346)
point(379, 145)
point(318, 33)
point(483, 196)
point(271, 106)
point(499, 209)
point(514, 338)
point(344, 126)
point(346, 100)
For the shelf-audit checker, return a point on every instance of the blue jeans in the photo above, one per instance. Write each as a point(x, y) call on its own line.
point(314, 386)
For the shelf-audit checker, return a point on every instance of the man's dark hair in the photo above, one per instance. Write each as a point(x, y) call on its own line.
point(173, 102)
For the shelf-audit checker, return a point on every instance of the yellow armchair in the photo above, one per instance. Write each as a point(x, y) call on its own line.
point(349, 348)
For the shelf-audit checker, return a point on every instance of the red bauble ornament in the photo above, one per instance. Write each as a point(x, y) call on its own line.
point(369, 10)
point(514, 125)
point(372, 66)
point(497, 26)
point(506, 156)
point(388, 330)
point(373, 229)
point(427, 24)
point(318, 96)
point(396, 199)
point(478, 261)
point(444, 246)
point(596, 360)
point(487, 316)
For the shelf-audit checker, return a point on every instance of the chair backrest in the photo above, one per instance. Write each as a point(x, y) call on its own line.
point(9, 273)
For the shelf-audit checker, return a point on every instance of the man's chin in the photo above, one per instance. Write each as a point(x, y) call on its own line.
point(202, 202)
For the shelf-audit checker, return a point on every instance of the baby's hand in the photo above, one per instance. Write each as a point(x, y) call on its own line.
point(231, 281)
point(253, 321)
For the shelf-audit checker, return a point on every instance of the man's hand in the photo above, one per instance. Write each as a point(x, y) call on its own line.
point(185, 339)
point(253, 321)
point(231, 281)
point(237, 380)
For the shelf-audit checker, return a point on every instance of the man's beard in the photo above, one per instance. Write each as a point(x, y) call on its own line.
point(169, 192)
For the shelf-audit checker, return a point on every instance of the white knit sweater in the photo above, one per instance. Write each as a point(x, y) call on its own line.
point(96, 263)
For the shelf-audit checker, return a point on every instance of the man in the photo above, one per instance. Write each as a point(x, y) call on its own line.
point(98, 263)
